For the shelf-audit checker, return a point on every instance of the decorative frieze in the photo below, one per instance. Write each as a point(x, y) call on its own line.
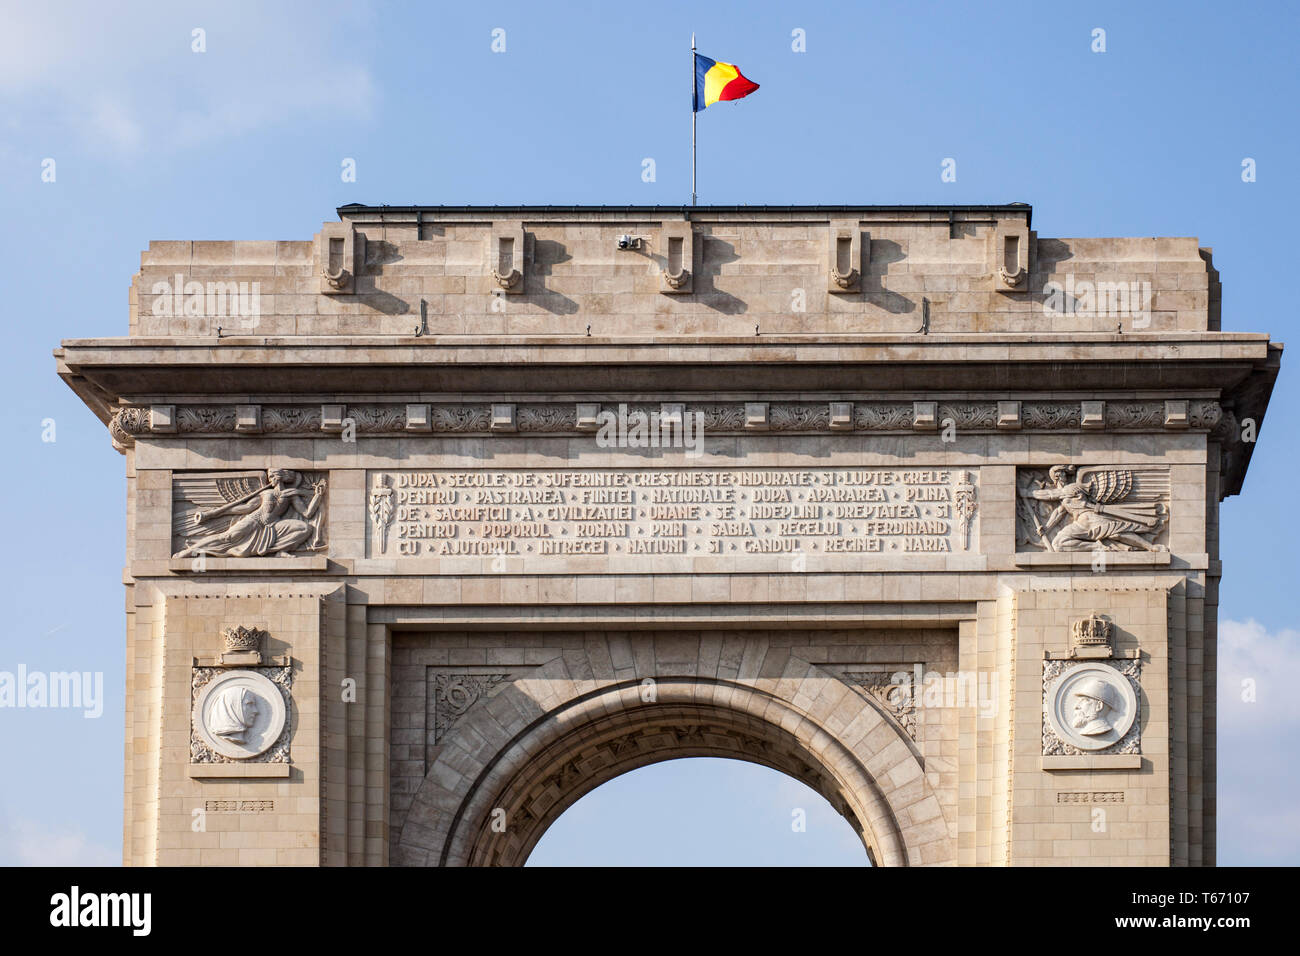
point(807, 417)
point(969, 416)
point(220, 419)
point(291, 419)
point(378, 419)
point(547, 418)
point(718, 417)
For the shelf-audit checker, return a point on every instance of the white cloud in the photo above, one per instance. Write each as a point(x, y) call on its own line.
point(130, 81)
point(1259, 777)
point(1271, 663)
point(28, 843)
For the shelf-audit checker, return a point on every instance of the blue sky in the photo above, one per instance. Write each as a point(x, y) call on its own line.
point(154, 141)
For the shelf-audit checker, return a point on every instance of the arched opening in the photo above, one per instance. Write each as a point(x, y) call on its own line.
point(513, 763)
point(700, 811)
point(597, 737)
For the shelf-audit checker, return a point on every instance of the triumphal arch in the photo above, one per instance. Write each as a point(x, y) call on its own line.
point(444, 516)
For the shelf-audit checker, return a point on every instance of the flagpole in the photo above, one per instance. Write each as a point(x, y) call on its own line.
point(694, 109)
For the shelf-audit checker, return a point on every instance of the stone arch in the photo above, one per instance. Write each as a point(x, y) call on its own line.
point(557, 732)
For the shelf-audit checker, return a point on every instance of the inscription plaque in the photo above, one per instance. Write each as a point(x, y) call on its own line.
point(630, 516)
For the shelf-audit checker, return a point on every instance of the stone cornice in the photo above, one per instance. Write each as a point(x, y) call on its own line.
point(106, 371)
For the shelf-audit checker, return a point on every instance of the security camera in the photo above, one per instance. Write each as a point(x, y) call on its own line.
point(625, 242)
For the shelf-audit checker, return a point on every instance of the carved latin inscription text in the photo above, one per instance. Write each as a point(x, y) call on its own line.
point(685, 512)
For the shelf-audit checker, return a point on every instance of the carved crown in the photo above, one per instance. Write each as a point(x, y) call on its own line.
point(1091, 631)
point(242, 639)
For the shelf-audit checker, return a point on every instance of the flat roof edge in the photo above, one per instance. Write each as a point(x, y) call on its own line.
point(353, 209)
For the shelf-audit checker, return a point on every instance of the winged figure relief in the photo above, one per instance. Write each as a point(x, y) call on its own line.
point(248, 514)
point(1083, 508)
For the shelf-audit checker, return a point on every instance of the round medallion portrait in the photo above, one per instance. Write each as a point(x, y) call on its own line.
point(240, 714)
point(1092, 706)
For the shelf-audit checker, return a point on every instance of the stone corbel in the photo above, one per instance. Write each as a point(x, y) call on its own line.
point(844, 256)
point(338, 250)
point(1011, 244)
point(125, 424)
point(506, 257)
point(677, 245)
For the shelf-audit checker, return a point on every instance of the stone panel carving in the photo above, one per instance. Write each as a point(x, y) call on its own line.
point(882, 417)
point(964, 507)
point(206, 419)
point(452, 695)
point(240, 715)
point(1148, 415)
point(1204, 414)
point(1050, 416)
point(894, 690)
point(1091, 707)
point(248, 514)
point(460, 418)
point(291, 418)
point(1069, 508)
point(547, 418)
point(721, 418)
point(381, 510)
point(969, 415)
point(381, 419)
point(806, 417)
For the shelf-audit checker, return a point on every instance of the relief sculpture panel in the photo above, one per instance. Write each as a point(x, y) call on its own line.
point(248, 514)
point(1085, 508)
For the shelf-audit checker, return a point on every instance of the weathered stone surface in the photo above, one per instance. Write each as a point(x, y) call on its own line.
point(851, 492)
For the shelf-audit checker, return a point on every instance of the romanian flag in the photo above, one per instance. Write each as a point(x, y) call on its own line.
point(716, 81)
